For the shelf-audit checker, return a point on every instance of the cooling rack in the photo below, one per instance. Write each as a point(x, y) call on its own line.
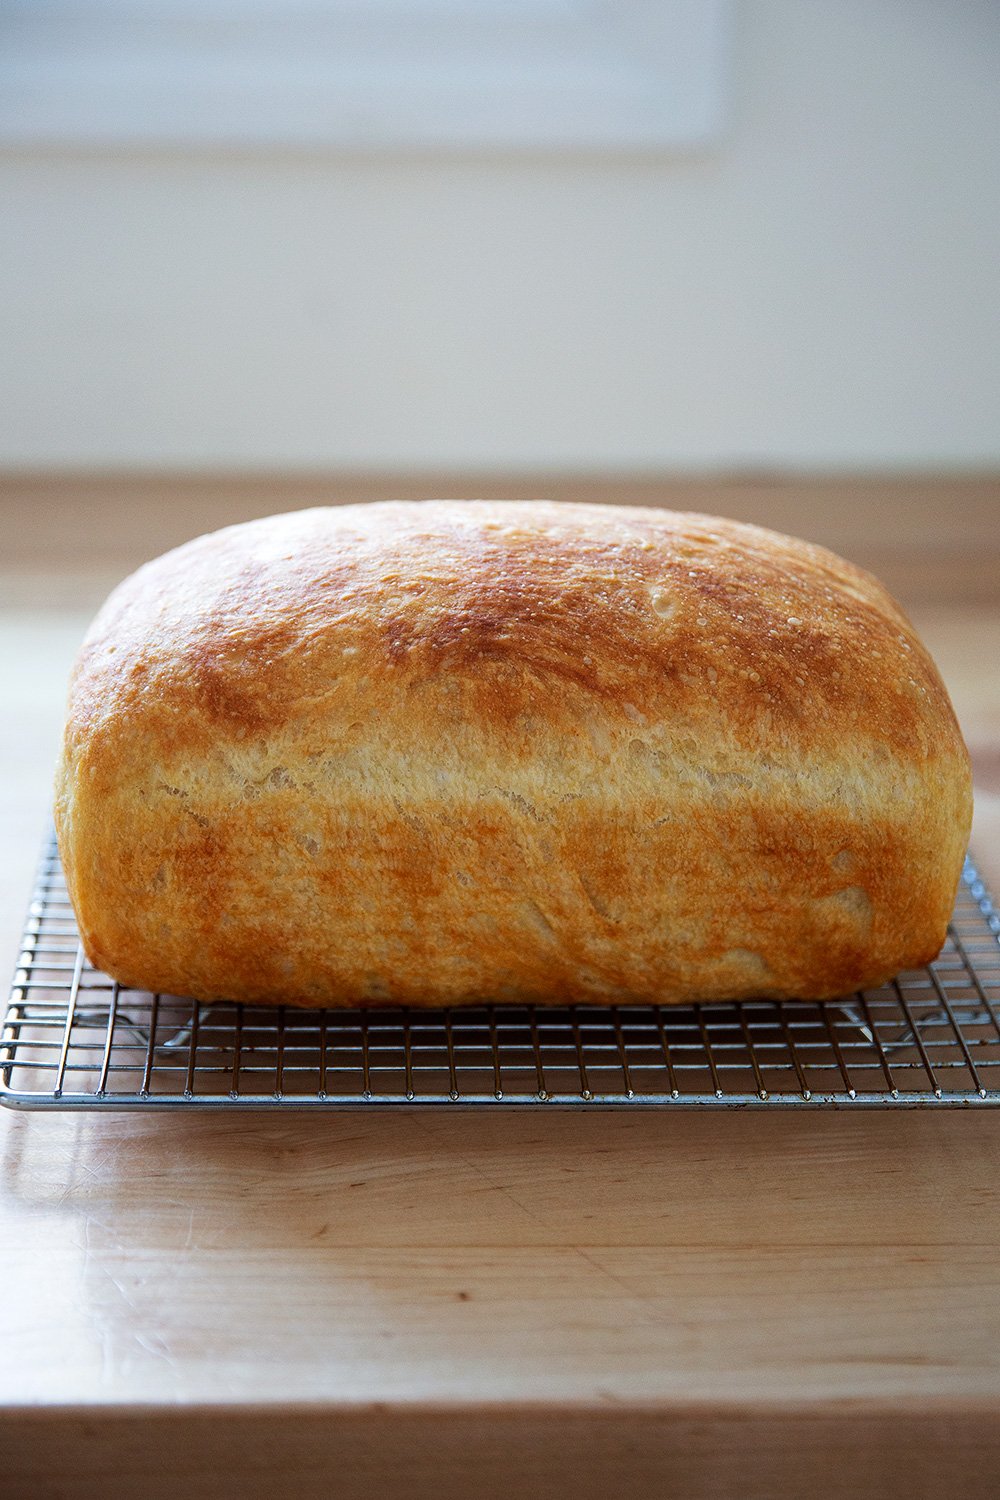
point(74, 1039)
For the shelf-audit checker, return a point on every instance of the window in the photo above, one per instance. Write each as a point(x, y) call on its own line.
point(364, 74)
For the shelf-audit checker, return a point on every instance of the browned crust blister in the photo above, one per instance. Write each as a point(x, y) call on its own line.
point(432, 753)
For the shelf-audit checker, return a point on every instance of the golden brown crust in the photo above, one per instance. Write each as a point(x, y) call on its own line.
point(427, 753)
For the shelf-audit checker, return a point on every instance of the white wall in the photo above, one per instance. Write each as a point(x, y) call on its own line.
point(820, 291)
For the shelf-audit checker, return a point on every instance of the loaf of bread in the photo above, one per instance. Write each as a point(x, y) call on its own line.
point(444, 752)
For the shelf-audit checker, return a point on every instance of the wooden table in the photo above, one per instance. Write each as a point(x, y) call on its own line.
point(475, 1305)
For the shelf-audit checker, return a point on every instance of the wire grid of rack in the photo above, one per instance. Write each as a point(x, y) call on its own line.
point(73, 1038)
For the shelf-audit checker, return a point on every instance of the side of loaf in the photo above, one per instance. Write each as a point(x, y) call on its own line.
point(431, 753)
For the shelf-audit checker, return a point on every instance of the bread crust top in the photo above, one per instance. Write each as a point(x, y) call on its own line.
point(540, 608)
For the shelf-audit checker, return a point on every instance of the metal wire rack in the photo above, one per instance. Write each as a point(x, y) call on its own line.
point(73, 1039)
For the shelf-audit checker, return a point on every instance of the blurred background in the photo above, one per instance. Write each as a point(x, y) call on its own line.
point(500, 240)
point(733, 255)
point(515, 257)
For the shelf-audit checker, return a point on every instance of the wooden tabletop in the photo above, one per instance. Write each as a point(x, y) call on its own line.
point(455, 1304)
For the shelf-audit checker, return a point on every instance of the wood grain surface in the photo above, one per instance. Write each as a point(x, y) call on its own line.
point(392, 1294)
point(452, 1304)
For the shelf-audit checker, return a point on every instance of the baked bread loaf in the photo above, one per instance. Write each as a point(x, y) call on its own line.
point(440, 752)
